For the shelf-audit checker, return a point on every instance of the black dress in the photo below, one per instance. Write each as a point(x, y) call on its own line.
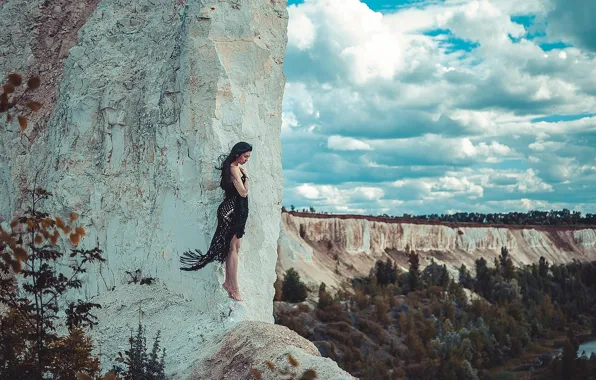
point(231, 220)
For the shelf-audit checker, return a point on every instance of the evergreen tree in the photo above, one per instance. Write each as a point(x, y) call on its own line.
point(293, 289)
point(465, 278)
point(414, 271)
point(325, 299)
point(543, 267)
point(141, 365)
point(483, 278)
point(386, 272)
point(507, 268)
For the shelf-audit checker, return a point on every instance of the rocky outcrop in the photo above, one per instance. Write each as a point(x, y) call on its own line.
point(140, 98)
point(331, 248)
point(249, 345)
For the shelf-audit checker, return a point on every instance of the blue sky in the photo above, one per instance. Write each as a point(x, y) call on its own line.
point(440, 106)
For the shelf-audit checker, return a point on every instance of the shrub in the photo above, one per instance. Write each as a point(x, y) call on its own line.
point(293, 289)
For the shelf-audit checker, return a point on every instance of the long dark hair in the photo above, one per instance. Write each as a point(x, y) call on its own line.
point(226, 161)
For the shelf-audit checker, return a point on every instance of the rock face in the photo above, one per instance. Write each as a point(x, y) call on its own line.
point(140, 98)
point(327, 248)
point(249, 344)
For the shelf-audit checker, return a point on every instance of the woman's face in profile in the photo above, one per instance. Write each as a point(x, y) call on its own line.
point(243, 158)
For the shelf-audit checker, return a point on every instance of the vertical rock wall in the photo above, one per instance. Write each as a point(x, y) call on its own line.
point(140, 98)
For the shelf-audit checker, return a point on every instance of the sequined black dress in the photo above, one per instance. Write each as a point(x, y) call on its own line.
point(231, 220)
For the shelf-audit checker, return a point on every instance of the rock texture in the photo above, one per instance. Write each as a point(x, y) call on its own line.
point(140, 98)
point(328, 248)
point(249, 345)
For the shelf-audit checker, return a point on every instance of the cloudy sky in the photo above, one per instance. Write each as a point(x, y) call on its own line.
point(421, 107)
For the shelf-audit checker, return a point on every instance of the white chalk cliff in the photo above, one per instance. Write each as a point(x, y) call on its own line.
point(140, 97)
point(332, 248)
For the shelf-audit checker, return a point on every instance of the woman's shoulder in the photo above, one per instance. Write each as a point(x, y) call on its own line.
point(235, 169)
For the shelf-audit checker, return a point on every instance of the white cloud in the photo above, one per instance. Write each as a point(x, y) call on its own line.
point(301, 30)
point(460, 185)
point(341, 199)
point(529, 182)
point(288, 121)
point(346, 143)
point(444, 118)
point(440, 188)
point(436, 149)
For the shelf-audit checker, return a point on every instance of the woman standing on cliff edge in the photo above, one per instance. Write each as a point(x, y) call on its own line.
point(231, 220)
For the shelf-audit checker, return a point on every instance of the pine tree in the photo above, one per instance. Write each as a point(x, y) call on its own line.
point(414, 271)
point(155, 364)
point(465, 278)
point(543, 267)
point(325, 299)
point(483, 278)
point(293, 289)
point(141, 365)
point(507, 268)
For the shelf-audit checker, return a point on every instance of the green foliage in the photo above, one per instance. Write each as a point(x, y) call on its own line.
point(431, 331)
point(386, 272)
point(325, 299)
point(140, 364)
point(562, 217)
point(32, 285)
point(436, 275)
point(543, 267)
point(414, 271)
point(507, 268)
point(483, 283)
point(465, 278)
point(293, 289)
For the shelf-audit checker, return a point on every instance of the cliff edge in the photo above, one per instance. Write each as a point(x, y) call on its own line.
point(332, 248)
point(139, 99)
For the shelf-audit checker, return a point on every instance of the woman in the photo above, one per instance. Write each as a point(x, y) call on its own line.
point(231, 220)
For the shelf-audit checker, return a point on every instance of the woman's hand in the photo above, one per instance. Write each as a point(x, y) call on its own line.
point(242, 188)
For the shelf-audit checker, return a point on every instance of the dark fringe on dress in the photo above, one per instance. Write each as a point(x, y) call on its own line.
point(231, 220)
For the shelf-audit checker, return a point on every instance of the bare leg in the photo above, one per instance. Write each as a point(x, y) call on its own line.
point(227, 282)
point(232, 270)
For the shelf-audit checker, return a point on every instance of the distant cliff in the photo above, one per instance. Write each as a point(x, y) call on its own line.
point(330, 248)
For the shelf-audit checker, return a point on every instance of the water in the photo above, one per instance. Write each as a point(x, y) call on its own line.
point(588, 347)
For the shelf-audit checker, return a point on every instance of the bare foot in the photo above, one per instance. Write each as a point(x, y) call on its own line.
point(235, 295)
point(228, 289)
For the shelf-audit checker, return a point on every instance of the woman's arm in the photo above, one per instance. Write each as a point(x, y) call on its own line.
point(245, 178)
point(237, 181)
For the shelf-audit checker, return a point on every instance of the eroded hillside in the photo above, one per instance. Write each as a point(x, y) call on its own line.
point(329, 248)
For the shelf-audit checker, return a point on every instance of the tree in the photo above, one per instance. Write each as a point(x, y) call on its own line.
point(465, 278)
point(386, 272)
point(543, 267)
point(483, 278)
point(325, 299)
point(30, 250)
point(140, 364)
point(75, 353)
point(507, 268)
point(293, 289)
point(414, 271)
